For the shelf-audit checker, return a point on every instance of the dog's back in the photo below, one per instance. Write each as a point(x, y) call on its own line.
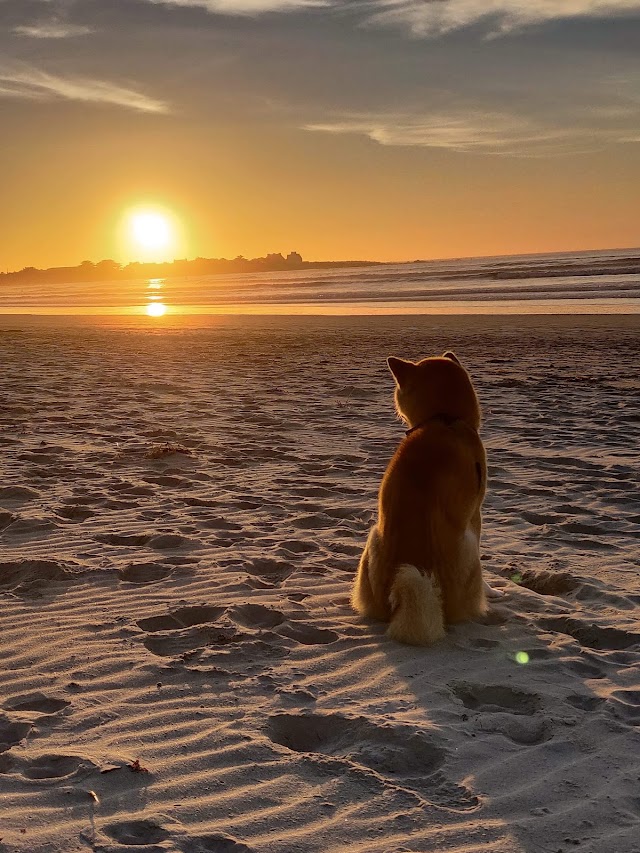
point(421, 567)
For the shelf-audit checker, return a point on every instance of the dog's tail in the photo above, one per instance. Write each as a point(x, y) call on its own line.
point(416, 605)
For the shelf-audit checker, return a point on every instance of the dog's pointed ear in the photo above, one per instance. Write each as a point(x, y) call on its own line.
point(400, 368)
point(452, 356)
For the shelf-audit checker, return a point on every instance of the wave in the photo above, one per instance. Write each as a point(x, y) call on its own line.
point(586, 276)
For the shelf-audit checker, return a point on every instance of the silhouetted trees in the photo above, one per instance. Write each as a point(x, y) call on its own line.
point(110, 270)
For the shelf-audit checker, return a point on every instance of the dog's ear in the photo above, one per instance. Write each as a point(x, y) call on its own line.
point(401, 369)
point(452, 356)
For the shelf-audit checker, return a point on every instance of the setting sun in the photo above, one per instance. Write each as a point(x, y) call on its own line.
point(151, 234)
point(151, 230)
point(156, 309)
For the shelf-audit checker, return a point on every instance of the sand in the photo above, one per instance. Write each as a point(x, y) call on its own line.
point(181, 515)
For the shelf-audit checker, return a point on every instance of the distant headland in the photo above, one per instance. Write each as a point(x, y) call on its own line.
point(109, 270)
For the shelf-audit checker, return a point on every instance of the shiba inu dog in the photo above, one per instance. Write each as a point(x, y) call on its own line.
point(420, 569)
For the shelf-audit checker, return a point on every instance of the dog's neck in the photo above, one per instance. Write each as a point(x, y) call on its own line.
point(445, 419)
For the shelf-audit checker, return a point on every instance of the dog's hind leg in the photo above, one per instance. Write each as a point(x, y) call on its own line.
point(362, 597)
point(476, 526)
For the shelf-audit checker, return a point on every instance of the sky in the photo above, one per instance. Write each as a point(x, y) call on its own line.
point(360, 129)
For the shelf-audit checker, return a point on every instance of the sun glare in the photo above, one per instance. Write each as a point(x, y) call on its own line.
point(151, 235)
point(150, 230)
point(156, 309)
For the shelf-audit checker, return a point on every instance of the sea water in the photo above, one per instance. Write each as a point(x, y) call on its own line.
point(567, 283)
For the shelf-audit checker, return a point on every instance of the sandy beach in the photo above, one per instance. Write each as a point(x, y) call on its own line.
point(181, 515)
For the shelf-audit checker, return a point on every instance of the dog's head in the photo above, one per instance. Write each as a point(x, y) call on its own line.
point(438, 386)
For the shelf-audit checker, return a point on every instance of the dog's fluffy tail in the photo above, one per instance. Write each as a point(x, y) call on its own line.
point(416, 605)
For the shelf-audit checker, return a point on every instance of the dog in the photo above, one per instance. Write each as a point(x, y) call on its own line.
point(420, 569)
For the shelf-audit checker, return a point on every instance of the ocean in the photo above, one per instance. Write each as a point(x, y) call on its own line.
point(603, 282)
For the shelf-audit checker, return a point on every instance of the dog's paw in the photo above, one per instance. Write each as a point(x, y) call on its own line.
point(492, 592)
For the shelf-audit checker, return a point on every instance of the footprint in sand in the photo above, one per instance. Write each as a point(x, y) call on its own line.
point(502, 710)
point(185, 630)
point(12, 733)
point(596, 592)
point(256, 616)
point(313, 522)
point(478, 697)
point(33, 527)
point(75, 512)
point(184, 617)
point(625, 706)
point(548, 583)
point(56, 767)
point(590, 635)
point(299, 546)
point(170, 542)
point(398, 756)
point(190, 632)
point(585, 667)
point(308, 635)
point(12, 497)
point(24, 577)
point(184, 643)
point(274, 571)
point(134, 833)
point(583, 702)
point(36, 702)
point(347, 549)
point(239, 652)
point(142, 573)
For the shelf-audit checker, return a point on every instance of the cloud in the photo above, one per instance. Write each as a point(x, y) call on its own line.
point(52, 30)
point(437, 17)
point(246, 7)
point(476, 131)
point(30, 83)
point(432, 17)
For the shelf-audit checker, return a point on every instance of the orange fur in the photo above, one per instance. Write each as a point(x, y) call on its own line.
point(420, 568)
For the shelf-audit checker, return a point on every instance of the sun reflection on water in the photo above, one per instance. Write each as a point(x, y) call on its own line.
point(155, 307)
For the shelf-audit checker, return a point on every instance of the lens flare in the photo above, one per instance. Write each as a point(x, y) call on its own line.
point(522, 657)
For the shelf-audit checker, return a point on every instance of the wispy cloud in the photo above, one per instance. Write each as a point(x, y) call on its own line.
point(33, 84)
point(437, 17)
point(246, 7)
point(432, 17)
point(475, 131)
point(53, 30)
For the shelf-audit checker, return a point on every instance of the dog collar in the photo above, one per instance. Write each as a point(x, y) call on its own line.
point(445, 419)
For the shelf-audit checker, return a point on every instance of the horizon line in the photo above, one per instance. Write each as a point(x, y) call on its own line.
point(125, 264)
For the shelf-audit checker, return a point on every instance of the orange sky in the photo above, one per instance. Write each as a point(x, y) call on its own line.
point(335, 140)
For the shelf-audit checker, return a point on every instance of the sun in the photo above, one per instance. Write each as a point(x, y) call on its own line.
point(150, 235)
point(151, 230)
point(156, 309)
